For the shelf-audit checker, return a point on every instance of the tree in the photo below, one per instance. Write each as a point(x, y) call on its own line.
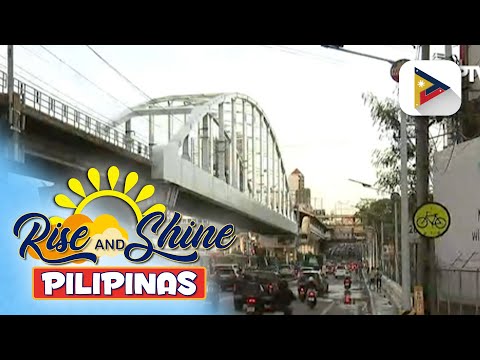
point(373, 212)
point(385, 116)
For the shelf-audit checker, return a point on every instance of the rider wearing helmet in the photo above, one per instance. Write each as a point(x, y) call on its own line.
point(284, 297)
point(311, 283)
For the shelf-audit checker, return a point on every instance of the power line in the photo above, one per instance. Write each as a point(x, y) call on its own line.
point(299, 52)
point(130, 82)
point(106, 121)
point(87, 79)
point(118, 72)
point(62, 94)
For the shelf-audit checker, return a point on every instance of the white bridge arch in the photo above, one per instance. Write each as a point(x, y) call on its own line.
point(225, 135)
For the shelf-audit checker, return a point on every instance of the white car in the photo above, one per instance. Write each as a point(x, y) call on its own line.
point(340, 272)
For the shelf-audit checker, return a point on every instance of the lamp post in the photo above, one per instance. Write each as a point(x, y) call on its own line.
point(394, 197)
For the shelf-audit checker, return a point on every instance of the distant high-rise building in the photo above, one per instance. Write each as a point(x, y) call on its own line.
point(299, 194)
point(296, 180)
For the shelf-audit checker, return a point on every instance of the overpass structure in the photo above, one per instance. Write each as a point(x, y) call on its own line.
point(212, 156)
point(344, 228)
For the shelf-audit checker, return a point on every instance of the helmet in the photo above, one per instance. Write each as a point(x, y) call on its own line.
point(311, 279)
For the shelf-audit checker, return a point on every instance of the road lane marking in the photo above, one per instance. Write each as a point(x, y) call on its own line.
point(327, 309)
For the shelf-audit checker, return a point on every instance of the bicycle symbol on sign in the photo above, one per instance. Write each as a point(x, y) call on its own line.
point(431, 219)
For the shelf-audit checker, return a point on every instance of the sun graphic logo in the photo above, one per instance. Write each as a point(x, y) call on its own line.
point(78, 238)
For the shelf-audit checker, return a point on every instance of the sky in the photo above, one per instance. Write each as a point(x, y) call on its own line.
point(311, 95)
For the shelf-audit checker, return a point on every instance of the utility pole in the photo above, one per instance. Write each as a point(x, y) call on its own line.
point(405, 240)
point(382, 242)
point(395, 197)
point(449, 125)
point(297, 240)
point(14, 152)
point(426, 247)
point(10, 84)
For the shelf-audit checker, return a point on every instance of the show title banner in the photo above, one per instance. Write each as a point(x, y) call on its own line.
point(79, 239)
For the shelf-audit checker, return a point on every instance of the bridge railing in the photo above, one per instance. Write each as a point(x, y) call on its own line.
point(66, 114)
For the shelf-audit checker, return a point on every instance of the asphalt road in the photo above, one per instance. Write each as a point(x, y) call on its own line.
point(330, 304)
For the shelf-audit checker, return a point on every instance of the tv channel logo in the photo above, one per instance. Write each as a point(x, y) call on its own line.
point(430, 88)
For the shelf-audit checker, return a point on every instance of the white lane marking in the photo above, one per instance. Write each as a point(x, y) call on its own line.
point(327, 309)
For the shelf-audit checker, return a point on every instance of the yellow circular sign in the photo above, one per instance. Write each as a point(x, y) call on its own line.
point(431, 220)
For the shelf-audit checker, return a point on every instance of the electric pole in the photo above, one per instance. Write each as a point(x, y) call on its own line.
point(405, 239)
point(426, 247)
point(382, 243)
point(15, 151)
point(10, 84)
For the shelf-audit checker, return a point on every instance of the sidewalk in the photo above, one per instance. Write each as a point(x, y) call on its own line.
point(379, 301)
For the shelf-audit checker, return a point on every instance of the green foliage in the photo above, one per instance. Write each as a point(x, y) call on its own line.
point(374, 212)
point(385, 117)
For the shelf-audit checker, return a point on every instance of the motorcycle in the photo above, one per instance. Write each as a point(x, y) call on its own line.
point(301, 293)
point(253, 308)
point(285, 309)
point(347, 299)
point(347, 283)
point(312, 298)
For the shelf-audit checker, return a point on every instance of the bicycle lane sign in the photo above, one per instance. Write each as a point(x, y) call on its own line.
point(431, 220)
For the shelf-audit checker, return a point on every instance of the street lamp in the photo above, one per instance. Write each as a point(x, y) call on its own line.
point(394, 197)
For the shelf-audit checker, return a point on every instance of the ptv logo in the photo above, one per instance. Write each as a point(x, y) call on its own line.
point(430, 88)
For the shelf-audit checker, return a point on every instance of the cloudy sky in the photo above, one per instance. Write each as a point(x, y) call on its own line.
point(311, 95)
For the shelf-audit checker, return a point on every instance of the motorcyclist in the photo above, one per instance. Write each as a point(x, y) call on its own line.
point(347, 283)
point(284, 297)
point(311, 284)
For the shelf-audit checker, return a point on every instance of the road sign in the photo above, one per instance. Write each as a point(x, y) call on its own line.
point(418, 302)
point(395, 69)
point(431, 220)
point(412, 233)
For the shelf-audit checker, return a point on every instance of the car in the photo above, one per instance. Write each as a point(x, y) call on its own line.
point(340, 271)
point(287, 271)
point(307, 268)
point(250, 288)
point(272, 268)
point(268, 279)
point(225, 277)
point(321, 283)
point(304, 269)
point(235, 267)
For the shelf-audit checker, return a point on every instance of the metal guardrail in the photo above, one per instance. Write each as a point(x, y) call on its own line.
point(458, 291)
point(66, 114)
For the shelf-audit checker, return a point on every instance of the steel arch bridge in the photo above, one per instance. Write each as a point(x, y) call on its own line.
point(219, 145)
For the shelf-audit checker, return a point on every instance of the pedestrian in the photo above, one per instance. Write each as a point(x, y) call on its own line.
point(379, 280)
point(372, 280)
